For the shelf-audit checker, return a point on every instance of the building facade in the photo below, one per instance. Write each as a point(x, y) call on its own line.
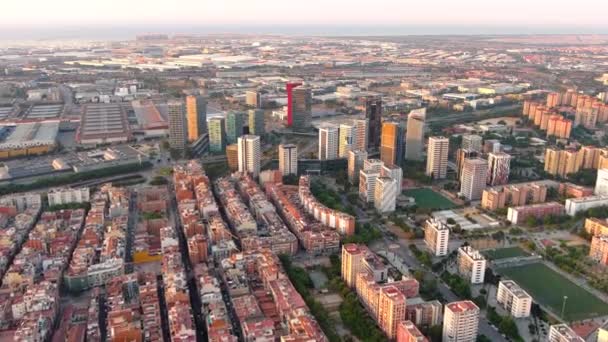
point(460, 322)
point(177, 125)
point(415, 134)
point(355, 165)
point(196, 111)
point(373, 113)
point(385, 194)
point(499, 167)
point(474, 175)
point(436, 237)
point(249, 154)
point(437, 157)
point(217, 135)
point(328, 142)
point(471, 264)
point(288, 159)
point(513, 299)
point(256, 122)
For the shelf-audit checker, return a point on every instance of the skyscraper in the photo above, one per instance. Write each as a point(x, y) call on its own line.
point(217, 135)
point(360, 140)
point(385, 194)
point(395, 172)
point(355, 164)
point(461, 155)
point(472, 142)
point(499, 167)
point(415, 134)
point(437, 157)
point(256, 122)
point(460, 322)
point(301, 108)
point(474, 175)
point(373, 113)
point(196, 110)
point(391, 143)
point(249, 154)
point(288, 159)
point(177, 125)
point(328, 142)
point(345, 140)
point(289, 87)
point(234, 126)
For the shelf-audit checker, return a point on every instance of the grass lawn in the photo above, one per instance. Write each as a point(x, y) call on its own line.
point(504, 253)
point(548, 288)
point(427, 198)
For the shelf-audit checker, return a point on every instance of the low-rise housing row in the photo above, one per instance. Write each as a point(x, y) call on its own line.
point(513, 195)
point(518, 215)
point(313, 236)
point(342, 222)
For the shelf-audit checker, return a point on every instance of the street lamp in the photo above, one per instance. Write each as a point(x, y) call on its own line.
point(564, 306)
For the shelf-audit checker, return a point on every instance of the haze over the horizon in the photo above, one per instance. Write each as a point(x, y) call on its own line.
point(377, 17)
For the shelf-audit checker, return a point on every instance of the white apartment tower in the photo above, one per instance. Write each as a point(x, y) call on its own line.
point(437, 157)
point(513, 299)
point(601, 184)
point(472, 142)
point(471, 264)
point(356, 159)
point(436, 236)
point(328, 142)
point(367, 185)
point(288, 159)
point(499, 167)
point(460, 322)
point(385, 194)
point(473, 183)
point(395, 172)
point(249, 154)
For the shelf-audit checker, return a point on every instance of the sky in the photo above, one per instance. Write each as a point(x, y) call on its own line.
point(581, 16)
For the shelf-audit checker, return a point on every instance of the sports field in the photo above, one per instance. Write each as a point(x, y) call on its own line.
point(504, 253)
point(548, 288)
point(427, 198)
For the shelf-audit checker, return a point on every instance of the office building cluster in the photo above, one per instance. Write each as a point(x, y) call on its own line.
point(394, 304)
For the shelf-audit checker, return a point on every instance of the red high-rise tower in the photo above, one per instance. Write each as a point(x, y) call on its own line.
point(289, 87)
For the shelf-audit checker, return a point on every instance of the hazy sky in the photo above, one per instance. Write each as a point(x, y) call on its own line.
point(533, 13)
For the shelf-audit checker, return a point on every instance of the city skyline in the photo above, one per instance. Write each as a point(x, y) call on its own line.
point(337, 17)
